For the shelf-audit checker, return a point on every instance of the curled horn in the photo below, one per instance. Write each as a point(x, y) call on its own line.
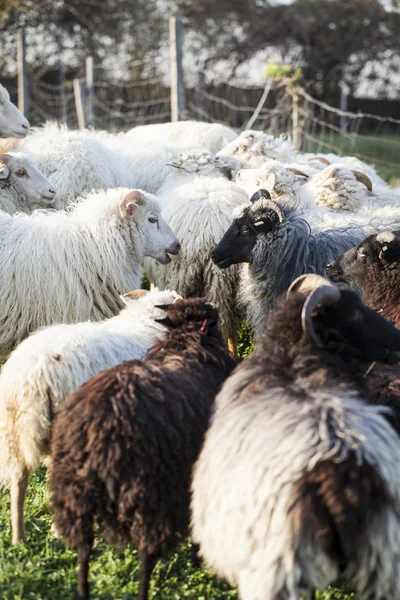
point(135, 294)
point(133, 196)
point(298, 172)
point(320, 293)
point(264, 195)
point(260, 194)
point(363, 178)
point(321, 159)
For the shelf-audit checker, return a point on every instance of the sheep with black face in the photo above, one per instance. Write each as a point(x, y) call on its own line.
point(373, 266)
point(278, 242)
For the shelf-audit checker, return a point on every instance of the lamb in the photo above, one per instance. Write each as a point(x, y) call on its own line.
point(199, 210)
point(253, 148)
point(297, 482)
point(373, 266)
point(75, 162)
point(281, 241)
point(12, 122)
point(22, 187)
point(66, 267)
point(212, 136)
point(137, 430)
point(52, 363)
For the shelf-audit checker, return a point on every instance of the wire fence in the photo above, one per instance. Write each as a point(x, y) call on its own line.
point(317, 127)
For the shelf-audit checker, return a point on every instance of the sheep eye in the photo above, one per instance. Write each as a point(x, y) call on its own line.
point(20, 173)
point(245, 229)
point(153, 219)
point(361, 254)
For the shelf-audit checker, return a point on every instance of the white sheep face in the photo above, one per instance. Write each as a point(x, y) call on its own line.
point(12, 121)
point(143, 212)
point(16, 169)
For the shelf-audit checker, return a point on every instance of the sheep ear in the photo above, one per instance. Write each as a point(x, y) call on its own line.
point(4, 170)
point(378, 338)
point(131, 297)
point(129, 203)
point(389, 243)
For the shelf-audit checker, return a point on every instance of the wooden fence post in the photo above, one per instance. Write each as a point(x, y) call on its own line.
point(79, 94)
point(63, 101)
point(23, 93)
point(89, 93)
point(177, 86)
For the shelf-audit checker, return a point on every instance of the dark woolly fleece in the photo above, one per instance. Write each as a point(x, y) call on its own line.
point(124, 445)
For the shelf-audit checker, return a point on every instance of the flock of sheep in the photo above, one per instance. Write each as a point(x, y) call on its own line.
point(284, 469)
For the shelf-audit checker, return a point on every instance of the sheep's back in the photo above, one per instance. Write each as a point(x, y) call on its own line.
point(134, 432)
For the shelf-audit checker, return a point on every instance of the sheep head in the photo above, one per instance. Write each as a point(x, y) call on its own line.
point(260, 217)
point(190, 313)
point(376, 253)
point(12, 121)
point(329, 314)
point(17, 169)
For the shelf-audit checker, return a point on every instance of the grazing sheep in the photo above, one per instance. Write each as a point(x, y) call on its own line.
point(22, 187)
point(199, 210)
point(212, 136)
point(298, 480)
point(373, 266)
point(281, 242)
point(66, 267)
point(12, 122)
point(75, 162)
point(124, 445)
point(253, 148)
point(52, 363)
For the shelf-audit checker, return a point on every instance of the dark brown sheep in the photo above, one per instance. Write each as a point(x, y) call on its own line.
point(124, 445)
point(373, 266)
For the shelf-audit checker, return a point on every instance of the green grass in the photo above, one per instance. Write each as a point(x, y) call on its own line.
point(382, 151)
point(45, 569)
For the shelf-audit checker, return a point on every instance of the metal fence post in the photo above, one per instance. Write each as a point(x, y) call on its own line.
point(23, 93)
point(177, 86)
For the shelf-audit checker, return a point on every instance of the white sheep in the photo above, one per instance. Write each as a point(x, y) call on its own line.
point(349, 162)
point(212, 136)
point(12, 122)
point(275, 177)
point(253, 148)
point(345, 190)
point(66, 267)
point(22, 187)
point(52, 363)
point(149, 160)
point(199, 210)
point(75, 162)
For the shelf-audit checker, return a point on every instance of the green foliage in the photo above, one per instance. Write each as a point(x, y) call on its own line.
point(245, 340)
point(285, 73)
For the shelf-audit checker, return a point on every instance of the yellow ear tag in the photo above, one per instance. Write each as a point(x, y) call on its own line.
point(380, 254)
point(258, 223)
point(177, 162)
point(332, 186)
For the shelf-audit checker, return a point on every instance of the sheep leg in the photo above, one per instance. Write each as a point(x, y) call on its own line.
point(147, 562)
point(19, 483)
point(195, 555)
point(82, 592)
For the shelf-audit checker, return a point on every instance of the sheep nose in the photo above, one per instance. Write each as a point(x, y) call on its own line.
point(52, 192)
point(25, 126)
point(330, 265)
point(174, 248)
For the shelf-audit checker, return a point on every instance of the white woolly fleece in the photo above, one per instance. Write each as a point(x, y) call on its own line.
point(65, 267)
point(75, 162)
point(245, 513)
point(212, 136)
point(53, 362)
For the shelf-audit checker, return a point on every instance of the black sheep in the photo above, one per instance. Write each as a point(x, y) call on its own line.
point(124, 445)
point(373, 266)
